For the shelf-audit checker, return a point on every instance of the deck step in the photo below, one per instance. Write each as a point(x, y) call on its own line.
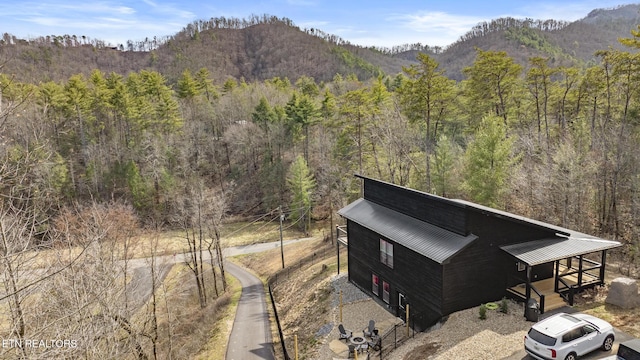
point(553, 301)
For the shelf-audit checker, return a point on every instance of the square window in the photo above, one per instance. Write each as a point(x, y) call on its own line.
point(386, 253)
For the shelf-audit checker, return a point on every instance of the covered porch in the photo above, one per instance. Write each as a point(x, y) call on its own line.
point(572, 271)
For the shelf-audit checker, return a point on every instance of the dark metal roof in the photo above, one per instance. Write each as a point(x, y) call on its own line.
point(426, 239)
point(548, 250)
point(522, 219)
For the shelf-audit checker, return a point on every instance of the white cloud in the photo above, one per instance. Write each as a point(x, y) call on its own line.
point(108, 20)
point(86, 8)
point(437, 21)
point(150, 3)
point(426, 27)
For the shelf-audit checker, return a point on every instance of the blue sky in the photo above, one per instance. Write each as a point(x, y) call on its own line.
point(372, 22)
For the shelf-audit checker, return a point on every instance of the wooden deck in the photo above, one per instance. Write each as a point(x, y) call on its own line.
point(552, 299)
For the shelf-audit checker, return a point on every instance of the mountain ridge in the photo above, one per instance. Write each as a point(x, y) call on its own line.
point(265, 47)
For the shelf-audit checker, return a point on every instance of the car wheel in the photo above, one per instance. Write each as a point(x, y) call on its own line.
point(608, 343)
point(571, 356)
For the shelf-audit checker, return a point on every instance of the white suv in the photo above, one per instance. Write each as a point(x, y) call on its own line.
point(564, 336)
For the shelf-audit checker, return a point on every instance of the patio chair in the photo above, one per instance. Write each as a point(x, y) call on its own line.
point(375, 344)
point(344, 334)
point(352, 350)
point(371, 329)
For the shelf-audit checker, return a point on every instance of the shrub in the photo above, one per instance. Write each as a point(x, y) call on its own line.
point(504, 306)
point(483, 312)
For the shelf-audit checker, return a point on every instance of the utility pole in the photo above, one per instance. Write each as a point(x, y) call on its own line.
point(281, 245)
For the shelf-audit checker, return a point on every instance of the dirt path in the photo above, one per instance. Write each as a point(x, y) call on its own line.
point(251, 334)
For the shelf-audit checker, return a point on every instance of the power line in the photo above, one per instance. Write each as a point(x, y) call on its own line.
point(260, 217)
point(253, 222)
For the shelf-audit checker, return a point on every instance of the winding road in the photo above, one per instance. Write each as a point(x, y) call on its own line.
point(251, 334)
point(250, 337)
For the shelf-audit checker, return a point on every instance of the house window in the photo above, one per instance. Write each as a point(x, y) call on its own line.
point(385, 291)
point(386, 253)
point(521, 266)
point(375, 281)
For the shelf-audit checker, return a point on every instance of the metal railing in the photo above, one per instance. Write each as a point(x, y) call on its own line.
point(392, 339)
point(567, 291)
point(523, 296)
point(341, 233)
point(280, 333)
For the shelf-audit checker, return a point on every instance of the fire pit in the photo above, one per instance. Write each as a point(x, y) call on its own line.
point(357, 340)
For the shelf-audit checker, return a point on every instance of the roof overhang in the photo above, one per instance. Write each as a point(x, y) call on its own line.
point(434, 242)
point(547, 250)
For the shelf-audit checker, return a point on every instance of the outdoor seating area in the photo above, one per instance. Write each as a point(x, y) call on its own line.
point(349, 324)
point(362, 341)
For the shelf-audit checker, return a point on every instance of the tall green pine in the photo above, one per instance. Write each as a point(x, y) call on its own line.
point(301, 184)
point(489, 162)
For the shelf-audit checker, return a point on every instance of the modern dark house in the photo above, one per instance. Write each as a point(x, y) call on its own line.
point(441, 255)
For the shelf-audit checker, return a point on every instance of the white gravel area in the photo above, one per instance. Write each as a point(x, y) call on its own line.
point(350, 292)
point(465, 336)
point(462, 336)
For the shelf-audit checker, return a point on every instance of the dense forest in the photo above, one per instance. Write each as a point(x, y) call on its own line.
point(554, 142)
point(88, 157)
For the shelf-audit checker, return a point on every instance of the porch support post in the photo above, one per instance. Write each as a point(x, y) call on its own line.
point(557, 276)
point(580, 273)
point(602, 266)
point(338, 247)
point(528, 285)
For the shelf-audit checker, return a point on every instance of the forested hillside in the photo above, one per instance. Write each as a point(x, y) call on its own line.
point(564, 43)
point(156, 139)
point(255, 49)
point(263, 47)
point(553, 142)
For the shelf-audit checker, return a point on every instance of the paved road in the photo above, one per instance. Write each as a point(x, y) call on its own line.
point(140, 268)
point(255, 248)
point(251, 334)
point(140, 287)
point(226, 252)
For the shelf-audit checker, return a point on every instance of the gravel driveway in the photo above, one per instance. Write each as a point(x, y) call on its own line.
point(465, 336)
point(500, 336)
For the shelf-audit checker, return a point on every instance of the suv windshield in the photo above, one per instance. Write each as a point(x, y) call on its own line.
point(541, 338)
